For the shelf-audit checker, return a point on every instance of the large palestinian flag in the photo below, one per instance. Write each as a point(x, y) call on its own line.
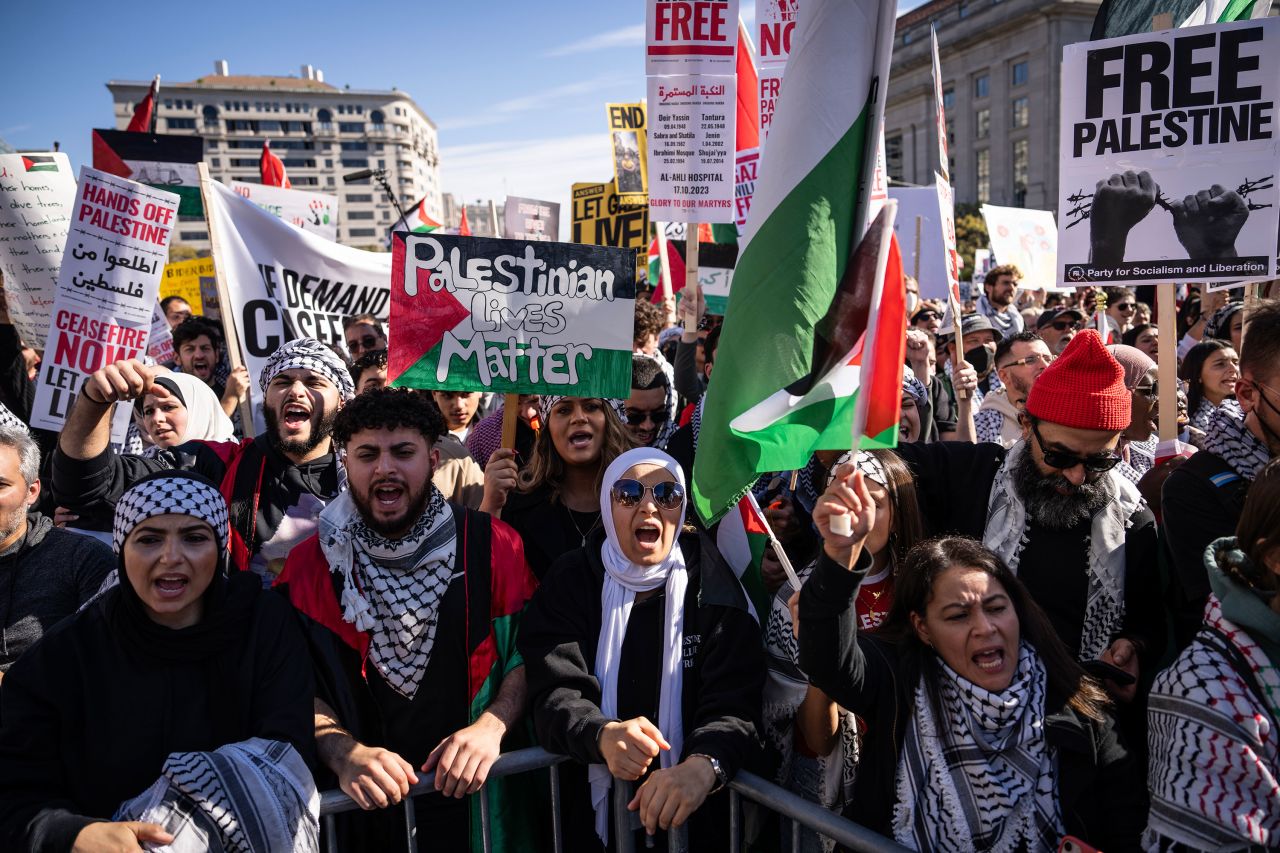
point(1127, 17)
point(812, 190)
point(164, 161)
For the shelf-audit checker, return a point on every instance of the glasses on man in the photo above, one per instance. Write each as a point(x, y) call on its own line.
point(1065, 461)
point(926, 316)
point(1064, 325)
point(635, 417)
point(629, 493)
point(1126, 307)
point(1039, 357)
point(366, 343)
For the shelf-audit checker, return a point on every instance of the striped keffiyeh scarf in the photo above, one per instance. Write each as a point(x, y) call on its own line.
point(392, 588)
point(979, 775)
point(1229, 439)
point(245, 797)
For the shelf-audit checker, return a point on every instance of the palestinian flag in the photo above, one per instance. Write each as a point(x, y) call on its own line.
point(741, 538)
point(164, 161)
point(787, 336)
point(144, 114)
point(1127, 17)
point(39, 163)
point(417, 220)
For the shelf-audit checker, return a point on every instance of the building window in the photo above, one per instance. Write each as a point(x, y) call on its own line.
point(359, 214)
point(351, 127)
point(359, 198)
point(964, 9)
point(215, 163)
point(1021, 171)
point(949, 97)
point(362, 232)
point(194, 235)
point(981, 86)
point(325, 118)
point(354, 146)
point(240, 125)
point(354, 163)
point(951, 131)
point(386, 214)
point(181, 123)
point(908, 37)
point(1021, 112)
point(210, 114)
point(893, 156)
point(982, 123)
point(1018, 74)
point(983, 171)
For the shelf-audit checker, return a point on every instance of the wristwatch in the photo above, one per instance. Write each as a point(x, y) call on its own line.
point(722, 778)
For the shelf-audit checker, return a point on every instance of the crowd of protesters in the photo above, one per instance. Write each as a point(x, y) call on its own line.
point(1028, 623)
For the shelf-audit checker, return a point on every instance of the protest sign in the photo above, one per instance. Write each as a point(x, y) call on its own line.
point(746, 168)
point(160, 342)
point(1169, 156)
point(315, 212)
point(601, 219)
point(209, 296)
point(530, 219)
point(164, 161)
point(630, 161)
point(511, 316)
point(1028, 239)
point(919, 228)
point(940, 113)
point(715, 274)
point(36, 194)
point(182, 279)
point(692, 135)
point(947, 206)
point(284, 283)
point(775, 22)
point(107, 289)
point(690, 36)
point(746, 130)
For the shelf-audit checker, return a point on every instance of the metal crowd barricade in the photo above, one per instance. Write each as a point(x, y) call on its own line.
point(801, 812)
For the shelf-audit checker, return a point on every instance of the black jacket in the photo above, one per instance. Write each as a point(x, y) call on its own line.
point(1101, 788)
point(723, 675)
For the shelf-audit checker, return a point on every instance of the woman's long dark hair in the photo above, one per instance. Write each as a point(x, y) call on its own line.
point(908, 524)
point(913, 589)
point(1193, 366)
point(547, 467)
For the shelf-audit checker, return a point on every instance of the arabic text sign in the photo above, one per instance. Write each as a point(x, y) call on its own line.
point(1169, 156)
point(511, 316)
point(315, 212)
point(691, 175)
point(36, 194)
point(600, 218)
point(530, 219)
point(107, 289)
point(630, 163)
point(690, 36)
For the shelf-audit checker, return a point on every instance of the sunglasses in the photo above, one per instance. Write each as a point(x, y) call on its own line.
point(629, 493)
point(926, 316)
point(1064, 461)
point(1126, 307)
point(367, 342)
point(1150, 391)
point(1064, 325)
point(635, 417)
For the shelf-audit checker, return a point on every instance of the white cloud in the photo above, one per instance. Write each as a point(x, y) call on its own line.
point(505, 111)
point(632, 36)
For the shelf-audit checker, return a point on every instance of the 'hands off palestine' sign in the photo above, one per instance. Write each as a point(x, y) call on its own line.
point(511, 316)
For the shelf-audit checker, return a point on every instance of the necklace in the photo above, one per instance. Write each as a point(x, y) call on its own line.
point(578, 527)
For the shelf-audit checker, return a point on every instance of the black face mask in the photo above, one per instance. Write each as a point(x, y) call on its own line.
point(980, 358)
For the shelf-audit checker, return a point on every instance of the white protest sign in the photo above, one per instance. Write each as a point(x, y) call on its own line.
point(1028, 239)
point(775, 23)
point(690, 36)
point(746, 166)
point(691, 148)
point(1169, 156)
point(919, 216)
point(36, 194)
point(314, 212)
point(940, 113)
point(530, 219)
point(107, 289)
point(160, 342)
point(947, 207)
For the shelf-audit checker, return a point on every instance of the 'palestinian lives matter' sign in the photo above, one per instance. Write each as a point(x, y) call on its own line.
point(511, 316)
point(1169, 156)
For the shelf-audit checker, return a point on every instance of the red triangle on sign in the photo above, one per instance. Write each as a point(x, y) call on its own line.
point(420, 321)
point(105, 159)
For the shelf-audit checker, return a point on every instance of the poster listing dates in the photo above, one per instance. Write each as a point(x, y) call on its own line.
point(691, 148)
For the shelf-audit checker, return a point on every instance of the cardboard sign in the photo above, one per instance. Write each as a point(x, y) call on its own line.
point(530, 219)
point(1028, 239)
point(182, 279)
point(692, 178)
point(1169, 156)
point(511, 316)
point(36, 196)
point(315, 212)
point(601, 219)
point(630, 162)
point(107, 290)
point(919, 227)
point(690, 36)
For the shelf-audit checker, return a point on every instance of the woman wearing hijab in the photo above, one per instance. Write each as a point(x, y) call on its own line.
point(1137, 446)
point(644, 662)
point(191, 412)
point(554, 506)
point(177, 657)
point(988, 735)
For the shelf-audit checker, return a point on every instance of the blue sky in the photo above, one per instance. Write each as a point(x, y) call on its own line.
point(517, 88)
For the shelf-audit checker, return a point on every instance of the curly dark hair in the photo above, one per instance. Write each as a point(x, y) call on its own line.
point(192, 328)
point(648, 321)
point(389, 408)
point(376, 358)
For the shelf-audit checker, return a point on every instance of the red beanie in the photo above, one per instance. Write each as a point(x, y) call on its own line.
point(1083, 388)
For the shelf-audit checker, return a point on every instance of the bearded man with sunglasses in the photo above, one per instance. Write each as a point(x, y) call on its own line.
point(1203, 498)
point(1057, 511)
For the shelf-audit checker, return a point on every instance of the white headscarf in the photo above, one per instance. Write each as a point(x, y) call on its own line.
point(205, 419)
point(622, 580)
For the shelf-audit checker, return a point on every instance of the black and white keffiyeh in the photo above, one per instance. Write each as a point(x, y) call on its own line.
point(244, 797)
point(980, 775)
point(1006, 534)
point(547, 404)
point(171, 492)
point(1229, 439)
point(312, 355)
point(1201, 416)
point(392, 588)
point(8, 420)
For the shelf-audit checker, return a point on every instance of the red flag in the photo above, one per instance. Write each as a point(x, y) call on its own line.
point(272, 168)
point(464, 230)
point(144, 114)
point(747, 130)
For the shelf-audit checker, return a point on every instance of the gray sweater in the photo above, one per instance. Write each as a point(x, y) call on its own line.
point(45, 578)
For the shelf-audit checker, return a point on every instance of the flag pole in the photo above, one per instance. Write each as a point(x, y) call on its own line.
point(691, 263)
point(155, 103)
point(224, 299)
point(664, 263)
point(875, 100)
point(493, 218)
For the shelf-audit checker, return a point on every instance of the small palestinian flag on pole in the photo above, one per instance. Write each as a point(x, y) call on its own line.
point(742, 537)
point(416, 221)
point(39, 163)
point(144, 114)
point(165, 161)
point(272, 169)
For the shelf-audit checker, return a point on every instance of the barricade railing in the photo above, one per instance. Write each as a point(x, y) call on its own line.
point(801, 812)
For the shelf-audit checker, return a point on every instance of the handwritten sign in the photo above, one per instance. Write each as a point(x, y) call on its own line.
point(690, 36)
point(36, 194)
point(691, 162)
point(315, 212)
point(511, 316)
point(601, 219)
point(530, 219)
point(107, 289)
